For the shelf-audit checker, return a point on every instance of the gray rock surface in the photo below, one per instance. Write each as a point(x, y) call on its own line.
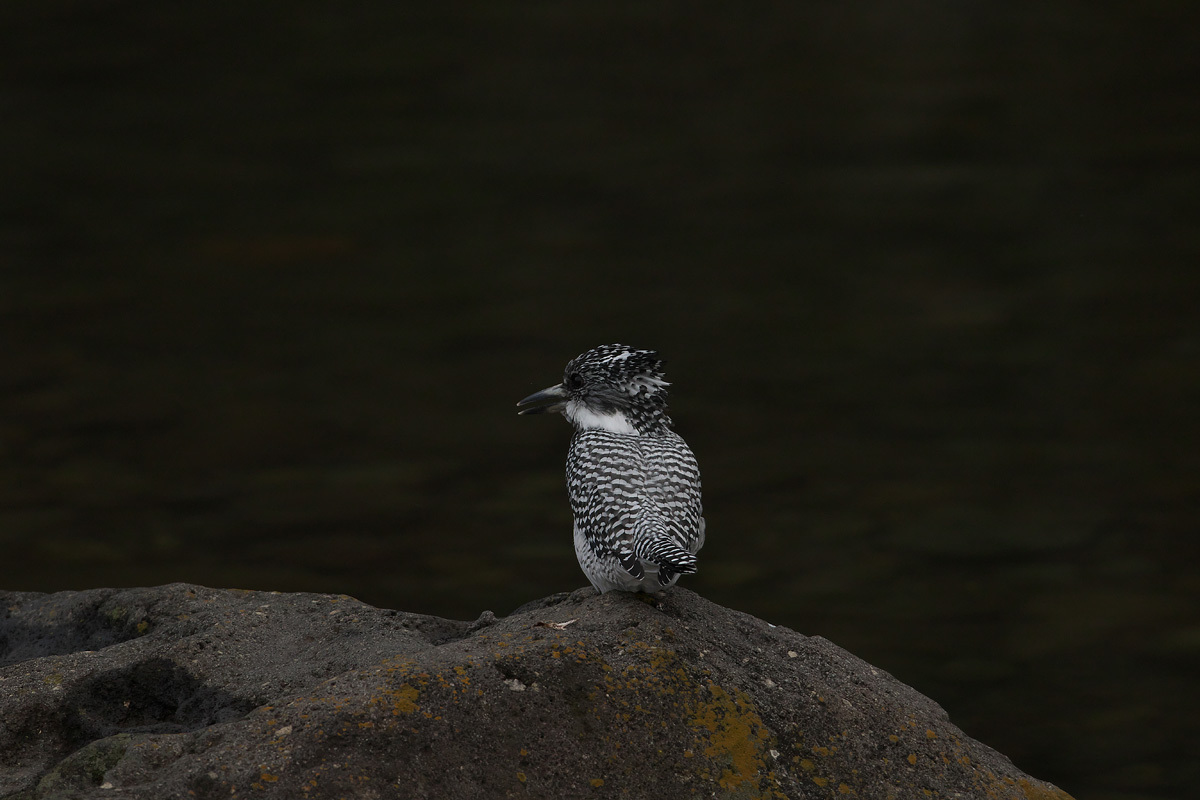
point(183, 691)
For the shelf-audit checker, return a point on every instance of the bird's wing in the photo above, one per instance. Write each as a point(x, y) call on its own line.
point(604, 476)
point(671, 486)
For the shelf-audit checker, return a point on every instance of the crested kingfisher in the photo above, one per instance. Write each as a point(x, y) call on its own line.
point(633, 483)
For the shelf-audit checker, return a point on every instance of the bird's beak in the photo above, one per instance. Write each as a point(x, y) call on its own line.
point(552, 399)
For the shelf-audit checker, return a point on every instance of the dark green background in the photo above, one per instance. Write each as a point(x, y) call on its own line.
point(925, 274)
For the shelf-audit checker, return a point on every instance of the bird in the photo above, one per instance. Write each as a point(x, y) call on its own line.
point(633, 482)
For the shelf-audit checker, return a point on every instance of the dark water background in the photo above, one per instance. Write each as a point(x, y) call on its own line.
point(925, 273)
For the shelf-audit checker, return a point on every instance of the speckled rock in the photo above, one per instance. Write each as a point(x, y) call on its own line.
point(182, 691)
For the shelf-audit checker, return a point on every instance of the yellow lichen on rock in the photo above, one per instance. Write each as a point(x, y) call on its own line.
point(404, 699)
point(735, 735)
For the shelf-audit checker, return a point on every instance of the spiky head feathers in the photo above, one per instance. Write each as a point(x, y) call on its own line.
point(617, 380)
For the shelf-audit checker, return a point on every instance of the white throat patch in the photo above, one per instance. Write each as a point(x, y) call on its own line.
point(585, 419)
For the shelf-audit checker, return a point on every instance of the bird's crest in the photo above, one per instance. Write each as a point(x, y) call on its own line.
point(619, 385)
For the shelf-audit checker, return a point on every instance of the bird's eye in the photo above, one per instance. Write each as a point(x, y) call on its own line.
point(573, 382)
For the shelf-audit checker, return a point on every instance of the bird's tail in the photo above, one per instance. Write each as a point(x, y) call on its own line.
point(664, 551)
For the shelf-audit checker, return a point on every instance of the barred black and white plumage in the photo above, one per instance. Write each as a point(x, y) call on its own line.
point(633, 482)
